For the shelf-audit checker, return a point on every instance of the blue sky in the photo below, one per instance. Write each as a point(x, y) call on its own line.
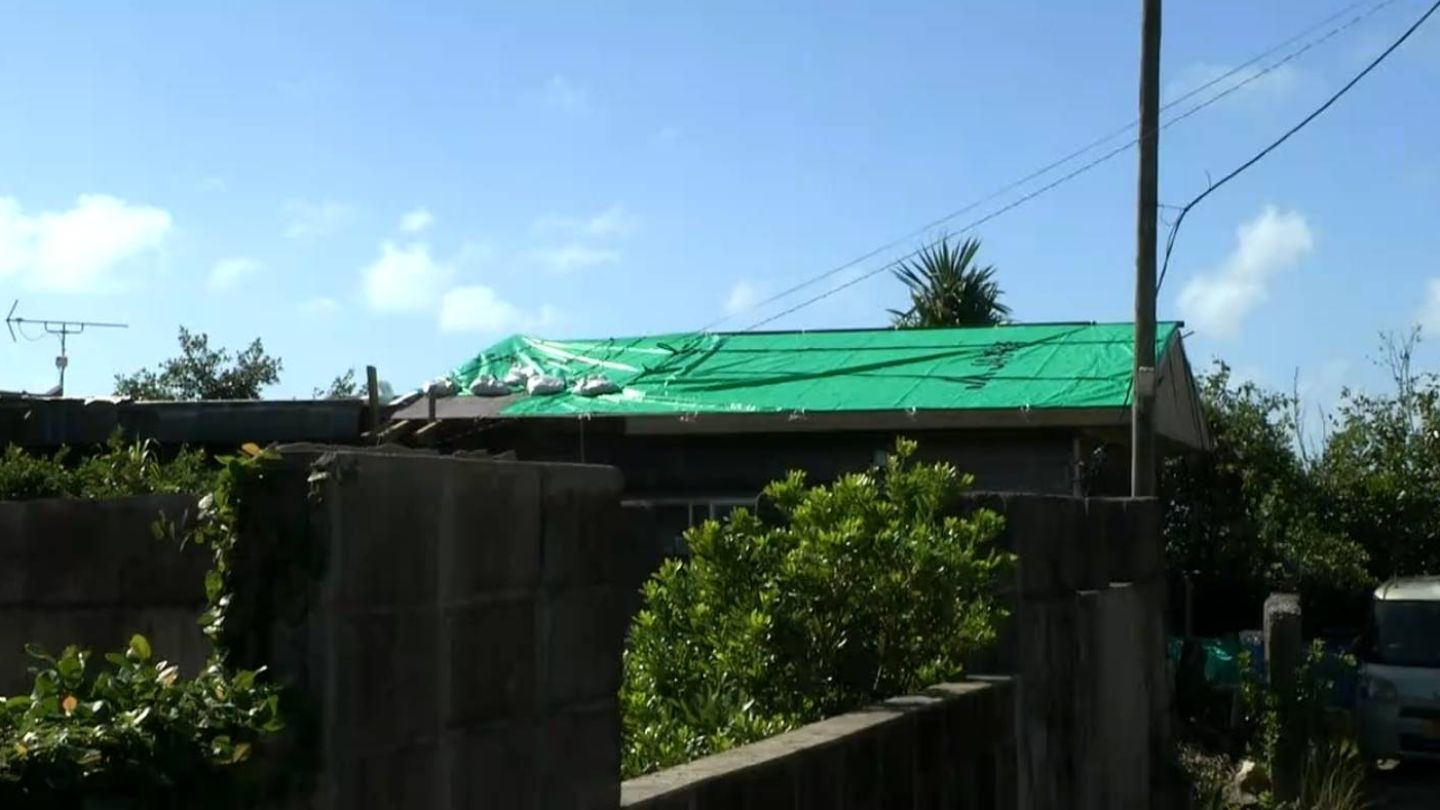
point(369, 183)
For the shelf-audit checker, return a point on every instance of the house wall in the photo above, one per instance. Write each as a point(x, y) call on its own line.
point(741, 464)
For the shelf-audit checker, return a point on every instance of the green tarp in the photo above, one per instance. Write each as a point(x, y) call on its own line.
point(1009, 367)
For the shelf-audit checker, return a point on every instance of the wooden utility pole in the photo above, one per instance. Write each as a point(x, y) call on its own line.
point(1142, 422)
point(372, 396)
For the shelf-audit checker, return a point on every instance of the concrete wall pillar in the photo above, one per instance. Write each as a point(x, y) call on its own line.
point(1284, 653)
point(458, 626)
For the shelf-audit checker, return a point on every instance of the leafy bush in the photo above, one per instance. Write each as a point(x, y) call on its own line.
point(860, 590)
point(119, 469)
point(133, 730)
point(136, 731)
point(1332, 775)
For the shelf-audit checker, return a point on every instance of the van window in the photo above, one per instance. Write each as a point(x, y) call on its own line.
point(1407, 634)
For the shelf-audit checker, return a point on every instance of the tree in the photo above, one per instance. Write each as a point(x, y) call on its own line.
point(201, 372)
point(1250, 516)
point(832, 597)
point(343, 387)
point(946, 289)
point(1381, 467)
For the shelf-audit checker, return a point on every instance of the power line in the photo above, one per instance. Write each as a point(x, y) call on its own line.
point(1059, 181)
point(1100, 141)
point(1175, 229)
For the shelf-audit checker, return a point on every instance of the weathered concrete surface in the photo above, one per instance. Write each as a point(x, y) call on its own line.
point(1087, 641)
point(951, 746)
point(92, 574)
point(458, 624)
point(1284, 653)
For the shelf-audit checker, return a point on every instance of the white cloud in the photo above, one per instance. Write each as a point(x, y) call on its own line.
point(417, 220)
point(78, 249)
point(320, 305)
point(1429, 317)
point(228, 272)
point(742, 298)
point(575, 257)
point(478, 308)
point(614, 221)
point(1278, 82)
point(308, 220)
point(1216, 304)
point(563, 94)
point(405, 278)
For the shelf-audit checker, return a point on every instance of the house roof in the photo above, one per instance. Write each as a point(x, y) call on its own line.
point(44, 422)
point(1019, 366)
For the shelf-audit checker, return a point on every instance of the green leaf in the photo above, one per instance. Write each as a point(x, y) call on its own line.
point(139, 648)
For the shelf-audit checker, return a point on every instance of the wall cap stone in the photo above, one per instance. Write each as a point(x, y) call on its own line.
point(685, 779)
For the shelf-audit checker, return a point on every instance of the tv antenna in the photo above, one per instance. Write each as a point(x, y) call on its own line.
point(61, 329)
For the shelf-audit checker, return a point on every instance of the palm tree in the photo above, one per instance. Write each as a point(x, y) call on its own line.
point(946, 290)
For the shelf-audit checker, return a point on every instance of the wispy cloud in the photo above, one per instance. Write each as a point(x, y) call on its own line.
point(478, 308)
point(667, 135)
point(320, 305)
point(1217, 303)
point(228, 272)
point(416, 221)
point(562, 94)
point(744, 295)
point(78, 249)
point(309, 219)
point(1429, 315)
point(568, 258)
point(1258, 82)
point(613, 222)
point(405, 278)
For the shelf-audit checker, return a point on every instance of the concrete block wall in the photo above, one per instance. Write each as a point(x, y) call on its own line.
point(951, 746)
point(1087, 640)
point(459, 632)
point(92, 573)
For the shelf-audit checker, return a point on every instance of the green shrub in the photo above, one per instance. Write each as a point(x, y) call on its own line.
point(133, 730)
point(119, 469)
point(855, 591)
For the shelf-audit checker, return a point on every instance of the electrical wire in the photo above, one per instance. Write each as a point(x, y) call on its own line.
point(1179, 220)
point(1100, 141)
point(1272, 67)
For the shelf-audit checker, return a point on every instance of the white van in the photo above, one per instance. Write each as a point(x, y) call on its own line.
point(1398, 702)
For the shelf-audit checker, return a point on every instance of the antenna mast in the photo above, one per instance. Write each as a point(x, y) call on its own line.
point(59, 328)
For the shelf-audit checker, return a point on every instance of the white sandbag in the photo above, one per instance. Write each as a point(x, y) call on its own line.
point(595, 386)
point(441, 387)
point(544, 384)
point(517, 375)
point(487, 385)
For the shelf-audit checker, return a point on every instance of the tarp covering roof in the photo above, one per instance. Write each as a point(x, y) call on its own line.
point(1026, 366)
